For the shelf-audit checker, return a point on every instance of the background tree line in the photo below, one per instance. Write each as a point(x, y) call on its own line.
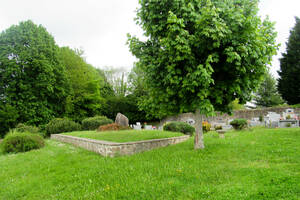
point(40, 81)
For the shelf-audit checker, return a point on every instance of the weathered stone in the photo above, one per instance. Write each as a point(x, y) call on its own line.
point(112, 149)
point(221, 133)
point(122, 120)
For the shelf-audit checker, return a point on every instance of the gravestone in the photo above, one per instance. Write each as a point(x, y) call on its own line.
point(122, 120)
point(148, 127)
point(137, 127)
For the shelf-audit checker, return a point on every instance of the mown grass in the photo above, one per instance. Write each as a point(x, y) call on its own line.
point(257, 164)
point(125, 135)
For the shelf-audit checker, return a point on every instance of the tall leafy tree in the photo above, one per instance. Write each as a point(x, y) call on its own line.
point(85, 99)
point(267, 94)
point(288, 83)
point(201, 55)
point(32, 79)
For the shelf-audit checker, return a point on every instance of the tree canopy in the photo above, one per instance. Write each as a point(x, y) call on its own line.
point(288, 82)
point(33, 79)
point(201, 54)
point(85, 98)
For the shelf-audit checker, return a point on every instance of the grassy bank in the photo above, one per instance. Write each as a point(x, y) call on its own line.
point(124, 136)
point(258, 164)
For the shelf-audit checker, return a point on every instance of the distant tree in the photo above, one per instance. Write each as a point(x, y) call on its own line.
point(33, 80)
point(117, 77)
point(289, 80)
point(136, 82)
point(127, 104)
point(201, 55)
point(267, 94)
point(106, 89)
point(85, 99)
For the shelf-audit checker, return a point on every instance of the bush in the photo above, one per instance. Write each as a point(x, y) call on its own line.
point(92, 123)
point(61, 125)
point(113, 127)
point(26, 128)
point(218, 127)
point(182, 127)
point(21, 142)
point(21, 128)
point(206, 126)
point(239, 124)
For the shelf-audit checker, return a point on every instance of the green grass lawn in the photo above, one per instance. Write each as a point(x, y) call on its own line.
point(257, 164)
point(124, 136)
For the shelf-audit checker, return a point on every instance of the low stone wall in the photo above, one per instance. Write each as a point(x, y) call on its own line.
point(223, 118)
point(111, 149)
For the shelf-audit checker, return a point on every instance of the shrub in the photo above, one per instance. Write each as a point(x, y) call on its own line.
point(21, 142)
point(113, 127)
point(29, 129)
point(26, 128)
point(61, 125)
point(182, 127)
point(92, 123)
point(206, 126)
point(218, 127)
point(239, 124)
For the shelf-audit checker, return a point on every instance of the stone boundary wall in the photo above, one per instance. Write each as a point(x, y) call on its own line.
point(223, 118)
point(111, 149)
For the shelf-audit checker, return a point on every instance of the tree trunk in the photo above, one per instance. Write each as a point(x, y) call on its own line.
point(198, 143)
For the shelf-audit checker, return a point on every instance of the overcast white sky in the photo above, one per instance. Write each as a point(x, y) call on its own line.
point(99, 27)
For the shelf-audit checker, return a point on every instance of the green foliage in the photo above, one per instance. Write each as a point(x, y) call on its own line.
point(267, 95)
point(61, 125)
point(236, 106)
point(288, 82)
point(85, 99)
point(201, 54)
point(239, 124)
point(113, 127)
point(93, 123)
point(26, 128)
point(8, 118)
point(182, 127)
point(32, 78)
point(128, 106)
point(21, 142)
point(106, 88)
